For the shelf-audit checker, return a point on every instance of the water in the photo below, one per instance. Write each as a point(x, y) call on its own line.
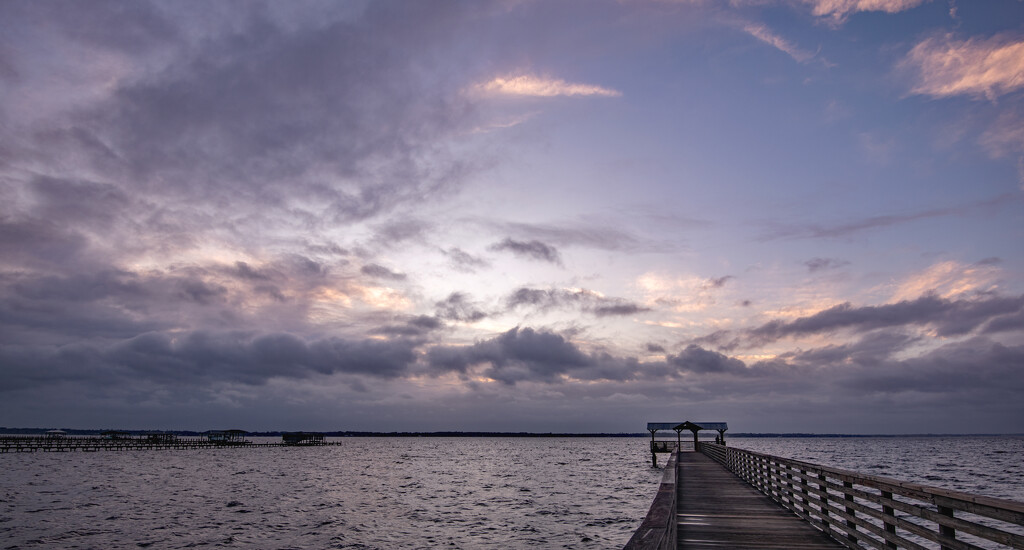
point(413, 492)
point(367, 493)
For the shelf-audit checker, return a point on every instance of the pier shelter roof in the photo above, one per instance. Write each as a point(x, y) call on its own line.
point(655, 426)
point(696, 426)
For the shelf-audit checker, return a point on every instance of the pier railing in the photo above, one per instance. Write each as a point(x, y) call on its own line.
point(658, 530)
point(865, 511)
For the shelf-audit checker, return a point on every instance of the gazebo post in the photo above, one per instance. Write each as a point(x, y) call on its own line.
point(654, 455)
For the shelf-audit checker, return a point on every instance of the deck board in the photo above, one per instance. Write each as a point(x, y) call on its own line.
point(719, 510)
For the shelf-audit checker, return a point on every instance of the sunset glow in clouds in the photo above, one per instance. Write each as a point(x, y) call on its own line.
point(526, 216)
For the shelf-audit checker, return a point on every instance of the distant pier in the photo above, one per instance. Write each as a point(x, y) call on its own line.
point(722, 497)
point(120, 441)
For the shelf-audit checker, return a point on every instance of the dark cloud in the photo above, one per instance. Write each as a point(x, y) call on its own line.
point(535, 250)
point(200, 357)
point(949, 317)
point(586, 300)
point(243, 270)
point(698, 360)
point(381, 272)
point(39, 243)
point(822, 264)
point(617, 310)
point(1005, 323)
point(872, 349)
point(718, 282)
point(977, 366)
point(602, 236)
point(526, 355)
point(79, 203)
point(398, 231)
point(464, 261)
point(725, 340)
point(655, 348)
point(200, 292)
point(420, 325)
point(458, 307)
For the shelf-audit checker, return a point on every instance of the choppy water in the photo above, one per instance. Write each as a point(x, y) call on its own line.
point(411, 492)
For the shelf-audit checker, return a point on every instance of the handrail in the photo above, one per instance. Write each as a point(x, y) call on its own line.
point(658, 530)
point(861, 510)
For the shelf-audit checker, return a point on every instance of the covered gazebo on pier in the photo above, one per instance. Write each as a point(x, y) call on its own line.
point(678, 427)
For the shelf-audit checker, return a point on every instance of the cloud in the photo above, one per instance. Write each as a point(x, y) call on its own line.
point(534, 86)
point(872, 349)
point(458, 307)
point(598, 234)
point(198, 358)
point(695, 359)
point(839, 10)
point(325, 124)
point(527, 355)
point(1005, 137)
point(822, 264)
point(780, 231)
point(764, 34)
point(947, 317)
point(381, 272)
point(944, 66)
point(464, 261)
point(584, 299)
point(535, 250)
point(718, 282)
point(967, 368)
point(412, 327)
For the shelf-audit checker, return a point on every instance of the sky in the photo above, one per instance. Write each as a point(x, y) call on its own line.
point(515, 215)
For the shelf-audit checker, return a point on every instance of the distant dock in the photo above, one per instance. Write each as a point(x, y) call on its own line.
point(220, 439)
point(722, 497)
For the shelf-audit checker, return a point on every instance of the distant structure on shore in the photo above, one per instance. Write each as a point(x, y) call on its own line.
point(114, 440)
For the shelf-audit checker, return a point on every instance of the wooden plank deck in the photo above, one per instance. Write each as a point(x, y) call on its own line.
point(719, 510)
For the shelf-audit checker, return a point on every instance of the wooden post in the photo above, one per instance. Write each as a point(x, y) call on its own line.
point(822, 484)
point(654, 455)
point(944, 530)
point(889, 526)
point(849, 510)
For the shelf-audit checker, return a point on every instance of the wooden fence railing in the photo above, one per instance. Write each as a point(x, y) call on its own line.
point(865, 511)
point(658, 530)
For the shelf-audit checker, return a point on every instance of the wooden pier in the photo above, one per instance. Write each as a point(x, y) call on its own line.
point(716, 509)
point(722, 497)
point(31, 444)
